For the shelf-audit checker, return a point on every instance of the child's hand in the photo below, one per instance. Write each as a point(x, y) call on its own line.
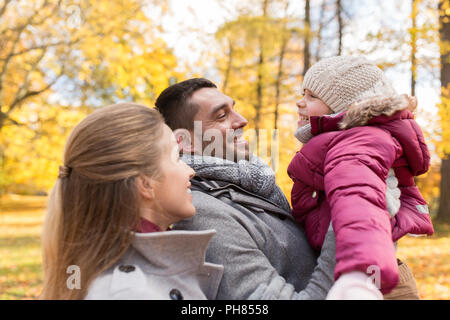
point(355, 285)
point(412, 102)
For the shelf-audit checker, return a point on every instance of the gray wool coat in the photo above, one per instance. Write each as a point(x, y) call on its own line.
point(264, 251)
point(160, 266)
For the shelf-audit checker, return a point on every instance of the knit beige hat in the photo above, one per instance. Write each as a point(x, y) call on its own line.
point(340, 81)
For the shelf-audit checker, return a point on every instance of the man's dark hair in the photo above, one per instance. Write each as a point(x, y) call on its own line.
point(175, 106)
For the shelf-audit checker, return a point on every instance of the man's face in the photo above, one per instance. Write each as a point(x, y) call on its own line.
point(220, 121)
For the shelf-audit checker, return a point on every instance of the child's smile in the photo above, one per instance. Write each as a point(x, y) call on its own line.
point(310, 105)
point(303, 120)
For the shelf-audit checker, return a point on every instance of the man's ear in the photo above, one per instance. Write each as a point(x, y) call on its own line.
point(145, 186)
point(184, 140)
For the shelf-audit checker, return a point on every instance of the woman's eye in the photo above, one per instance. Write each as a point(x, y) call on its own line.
point(222, 115)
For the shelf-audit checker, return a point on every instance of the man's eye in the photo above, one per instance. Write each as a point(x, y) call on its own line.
point(222, 115)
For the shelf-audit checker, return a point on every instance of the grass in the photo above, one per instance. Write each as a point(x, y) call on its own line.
point(21, 220)
point(429, 260)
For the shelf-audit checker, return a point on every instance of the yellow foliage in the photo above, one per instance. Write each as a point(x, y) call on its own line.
point(33, 152)
point(257, 58)
point(444, 113)
point(428, 184)
point(112, 52)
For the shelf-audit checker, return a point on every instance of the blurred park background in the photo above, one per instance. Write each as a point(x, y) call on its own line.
point(59, 60)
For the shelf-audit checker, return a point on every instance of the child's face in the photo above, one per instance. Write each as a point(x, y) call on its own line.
point(310, 105)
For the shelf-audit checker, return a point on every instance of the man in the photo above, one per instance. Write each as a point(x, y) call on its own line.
point(264, 252)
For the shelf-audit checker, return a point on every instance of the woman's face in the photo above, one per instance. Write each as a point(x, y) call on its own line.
point(309, 106)
point(173, 199)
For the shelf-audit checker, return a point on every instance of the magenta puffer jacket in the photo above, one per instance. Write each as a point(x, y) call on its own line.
point(340, 175)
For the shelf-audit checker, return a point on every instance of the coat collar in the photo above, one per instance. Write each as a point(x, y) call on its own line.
point(388, 113)
point(321, 124)
point(173, 251)
point(376, 110)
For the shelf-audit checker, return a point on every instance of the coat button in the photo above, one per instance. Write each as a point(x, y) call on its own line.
point(127, 268)
point(314, 194)
point(175, 294)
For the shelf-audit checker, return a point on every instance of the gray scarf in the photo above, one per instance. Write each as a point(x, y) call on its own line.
point(303, 134)
point(254, 175)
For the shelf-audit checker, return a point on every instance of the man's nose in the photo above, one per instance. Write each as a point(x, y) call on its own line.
point(238, 120)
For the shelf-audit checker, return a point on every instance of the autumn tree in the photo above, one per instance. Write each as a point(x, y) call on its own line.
point(33, 152)
point(259, 59)
point(342, 17)
point(60, 59)
point(408, 43)
point(444, 110)
point(328, 30)
point(109, 50)
point(339, 17)
point(413, 32)
point(256, 58)
point(128, 60)
point(30, 46)
point(318, 33)
point(306, 49)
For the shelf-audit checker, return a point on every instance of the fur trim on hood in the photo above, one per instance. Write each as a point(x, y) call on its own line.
point(362, 111)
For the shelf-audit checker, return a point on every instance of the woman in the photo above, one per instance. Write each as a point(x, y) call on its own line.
point(109, 214)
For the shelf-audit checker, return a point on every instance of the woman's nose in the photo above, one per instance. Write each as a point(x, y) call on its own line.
point(191, 172)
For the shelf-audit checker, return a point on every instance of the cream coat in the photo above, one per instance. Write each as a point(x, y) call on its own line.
point(160, 266)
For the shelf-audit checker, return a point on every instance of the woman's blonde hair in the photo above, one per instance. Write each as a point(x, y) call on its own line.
point(94, 204)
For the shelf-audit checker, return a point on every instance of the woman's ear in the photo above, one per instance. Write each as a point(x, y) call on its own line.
point(145, 187)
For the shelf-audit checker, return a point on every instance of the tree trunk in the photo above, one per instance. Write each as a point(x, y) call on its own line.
point(229, 66)
point(306, 53)
point(444, 32)
point(340, 25)
point(2, 120)
point(319, 31)
point(443, 213)
point(278, 82)
point(413, 46)
point(259, 89)
point(284, 41)
point(259, 84)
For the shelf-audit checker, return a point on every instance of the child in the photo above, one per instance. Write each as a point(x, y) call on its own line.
point(355, 128)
